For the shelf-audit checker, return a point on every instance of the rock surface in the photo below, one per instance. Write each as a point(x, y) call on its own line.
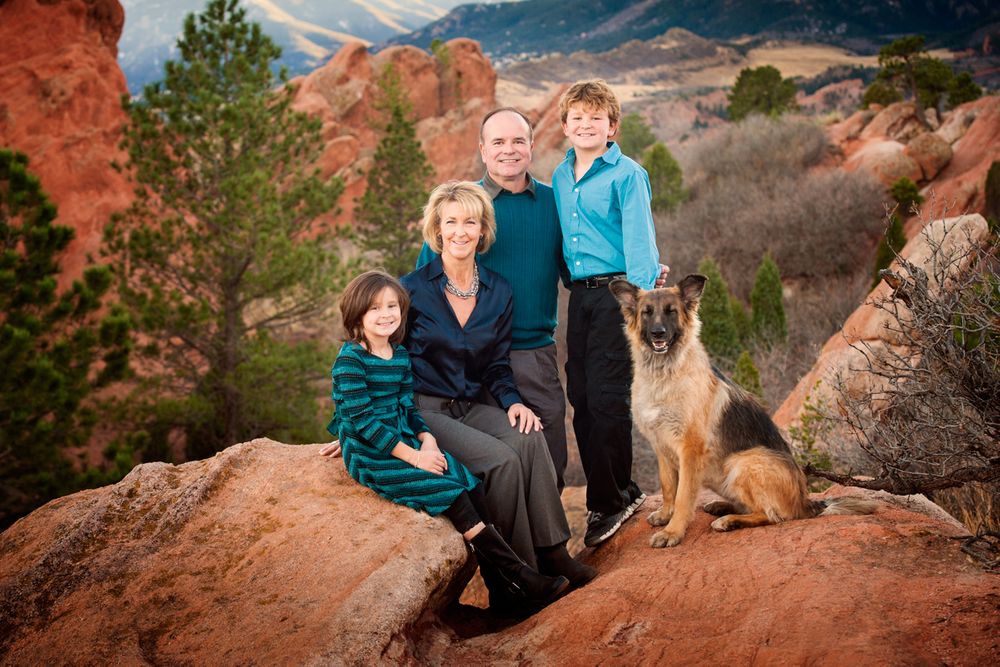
point(448, 99)
point(270, 554)
point(890, 588)
point(61, 105)
point(867, 327)
point(264, 554)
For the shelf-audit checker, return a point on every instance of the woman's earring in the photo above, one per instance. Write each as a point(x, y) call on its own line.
point(482, 242)
point(440, 240)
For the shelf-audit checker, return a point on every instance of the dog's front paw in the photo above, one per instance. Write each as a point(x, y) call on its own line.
point(666, 538)
point(660, 517)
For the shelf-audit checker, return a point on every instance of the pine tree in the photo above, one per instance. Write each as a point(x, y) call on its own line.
point(389, 213)
point(768, 314)
point(55, 348)
point(761, 90)
point(665, 179)
point(634, 136)
point(220, 253)
point(991, 207)
point(891, 243)
point(880, 92)
point(718, 332)
point(907, 195)
point(746, 375)
point(963, 89)
point(741, 319)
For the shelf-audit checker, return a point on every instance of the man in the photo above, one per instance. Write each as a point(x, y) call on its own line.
point(528, 254)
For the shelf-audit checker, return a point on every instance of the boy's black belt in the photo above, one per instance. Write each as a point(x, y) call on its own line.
point(593, 282)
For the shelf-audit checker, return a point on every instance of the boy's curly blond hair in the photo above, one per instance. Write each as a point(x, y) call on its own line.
point(595, 94)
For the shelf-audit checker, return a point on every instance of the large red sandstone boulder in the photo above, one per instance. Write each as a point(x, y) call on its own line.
point(886, 159)
point(930, 152)
point(61, 105)
point(890, 588)
point(264, 554)
point(897, 121)
point(961, 185)
point(270, 554)
point(866, 328)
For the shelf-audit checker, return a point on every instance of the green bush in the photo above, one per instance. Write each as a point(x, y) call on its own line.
point(718, 332)
point(761, 90)
point(907, 195)
point(747, 376)
point(767, 312)
point(665, 178)
point(889, 246)
point(634, 136)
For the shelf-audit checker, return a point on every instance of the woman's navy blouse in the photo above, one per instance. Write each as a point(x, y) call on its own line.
point(457, 362)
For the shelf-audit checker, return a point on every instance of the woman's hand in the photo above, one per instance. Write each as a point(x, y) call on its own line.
point(529, 420)
point(430, 460)
point(331, 450)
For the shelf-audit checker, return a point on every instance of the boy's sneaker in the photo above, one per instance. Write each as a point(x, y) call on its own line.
point(637, 498)
point(602, 526)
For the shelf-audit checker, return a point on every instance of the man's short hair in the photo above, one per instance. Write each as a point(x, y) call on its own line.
point(475, 203)
point(594, 94)
point(531, 130)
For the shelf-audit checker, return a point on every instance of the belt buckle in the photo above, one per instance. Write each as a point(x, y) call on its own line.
point(593, 282)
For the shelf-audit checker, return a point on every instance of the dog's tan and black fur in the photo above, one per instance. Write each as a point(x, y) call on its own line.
point(705, 430)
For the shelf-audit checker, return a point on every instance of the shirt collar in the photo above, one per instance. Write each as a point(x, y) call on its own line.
point(435, 270)
point(611, 156)
point(493, 189)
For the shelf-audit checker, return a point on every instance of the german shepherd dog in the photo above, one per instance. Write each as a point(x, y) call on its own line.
point(705, 430)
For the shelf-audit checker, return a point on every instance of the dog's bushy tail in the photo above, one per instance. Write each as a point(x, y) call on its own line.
point(843, 505)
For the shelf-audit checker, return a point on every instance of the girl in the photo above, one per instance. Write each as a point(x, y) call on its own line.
point(386, 444)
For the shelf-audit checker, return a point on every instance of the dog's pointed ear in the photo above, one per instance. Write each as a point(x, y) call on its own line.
point(626, 293)
point(692, 287)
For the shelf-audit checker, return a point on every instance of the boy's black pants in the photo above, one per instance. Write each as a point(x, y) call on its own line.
point(598, 382)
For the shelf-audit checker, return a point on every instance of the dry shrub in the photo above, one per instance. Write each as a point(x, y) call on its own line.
point(753, 191)
point(931, 417)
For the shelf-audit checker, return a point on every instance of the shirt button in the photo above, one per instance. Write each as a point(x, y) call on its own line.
point(574, 215)
point(574, 239)
point(578, 263)
point(576, 189)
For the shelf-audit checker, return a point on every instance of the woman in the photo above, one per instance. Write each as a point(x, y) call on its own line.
point(458, 338)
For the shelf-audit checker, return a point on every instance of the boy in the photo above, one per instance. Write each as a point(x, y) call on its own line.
point(603, 200)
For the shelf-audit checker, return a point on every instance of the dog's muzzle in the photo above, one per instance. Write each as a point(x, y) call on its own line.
point(660, 341)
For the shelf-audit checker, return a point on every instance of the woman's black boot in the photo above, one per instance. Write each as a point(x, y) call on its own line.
point(556, 560)
point(522, 581)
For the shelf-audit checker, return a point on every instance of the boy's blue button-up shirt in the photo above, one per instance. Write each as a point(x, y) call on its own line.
point(606, 218)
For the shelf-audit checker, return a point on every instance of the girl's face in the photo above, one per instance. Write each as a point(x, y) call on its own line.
point(460, 232)
point(383, 317)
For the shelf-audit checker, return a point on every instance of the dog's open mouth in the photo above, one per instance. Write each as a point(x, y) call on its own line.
point(662, 345)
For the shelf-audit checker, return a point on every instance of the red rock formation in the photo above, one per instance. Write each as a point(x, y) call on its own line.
point(866, 329)
point(268, 553)
point(930, 152)
point(448, 103)
point(61, 106)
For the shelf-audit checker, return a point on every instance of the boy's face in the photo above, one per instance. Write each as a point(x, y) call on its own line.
point(588, 128)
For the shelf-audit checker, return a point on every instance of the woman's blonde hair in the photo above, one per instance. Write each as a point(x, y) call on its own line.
point(475, 203)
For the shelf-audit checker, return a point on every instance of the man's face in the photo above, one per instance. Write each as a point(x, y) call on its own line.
point(506, 146)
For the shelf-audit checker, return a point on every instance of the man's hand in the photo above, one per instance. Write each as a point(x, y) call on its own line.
point(529, 420)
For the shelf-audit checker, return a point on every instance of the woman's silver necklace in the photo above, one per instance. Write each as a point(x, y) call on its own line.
point(464, 294)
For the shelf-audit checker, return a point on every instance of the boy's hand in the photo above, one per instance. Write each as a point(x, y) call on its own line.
point(332, 450)
point(661, 279)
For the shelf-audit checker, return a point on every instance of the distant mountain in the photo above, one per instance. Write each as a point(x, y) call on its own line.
point(535, 27)
point(308, 31)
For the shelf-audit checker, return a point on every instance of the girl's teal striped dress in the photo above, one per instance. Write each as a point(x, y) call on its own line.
point(374, 412)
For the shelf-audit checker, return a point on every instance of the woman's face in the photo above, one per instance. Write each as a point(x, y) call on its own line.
point(460, 233)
